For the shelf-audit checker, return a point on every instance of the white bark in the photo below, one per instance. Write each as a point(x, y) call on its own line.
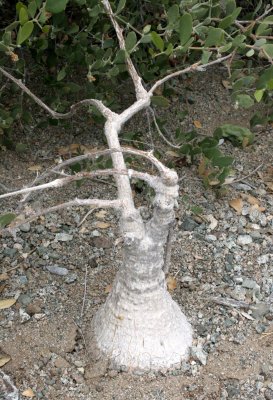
point(140, 326)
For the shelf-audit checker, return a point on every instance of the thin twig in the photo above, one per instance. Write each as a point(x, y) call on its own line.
point(105, 111)
point(174, 146)
point(230, 302)
point(192, 68)
point(246, 176)
point(100, 203)
point(86, 215)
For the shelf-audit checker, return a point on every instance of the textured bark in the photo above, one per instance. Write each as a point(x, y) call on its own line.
point(140, 326)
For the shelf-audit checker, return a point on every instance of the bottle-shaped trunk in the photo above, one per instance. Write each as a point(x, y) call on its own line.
point(140, 327)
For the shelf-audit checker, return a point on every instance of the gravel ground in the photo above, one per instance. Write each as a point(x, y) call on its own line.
point(59, 269)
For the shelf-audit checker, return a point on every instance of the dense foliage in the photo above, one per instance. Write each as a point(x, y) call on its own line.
point(72, 45)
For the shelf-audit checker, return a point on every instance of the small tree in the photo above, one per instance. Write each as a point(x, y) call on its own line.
point(139, 326)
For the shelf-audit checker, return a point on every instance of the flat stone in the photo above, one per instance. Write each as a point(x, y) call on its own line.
point(259, 310)
point(243, 240)
point(25, 227)
point(63, 237)
point(71, 278)
point(188, 224)
point(61, 362)
point(54, 269)
point(24, 299)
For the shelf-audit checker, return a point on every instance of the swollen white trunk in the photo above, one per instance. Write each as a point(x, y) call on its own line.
point(140, 327)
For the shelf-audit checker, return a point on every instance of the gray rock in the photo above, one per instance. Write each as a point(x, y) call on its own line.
point(211, 238)
point(23, 279)
point(243, 240)
point(25, 227)
point(198, 354)
point(249, 283)
point(188, 224)
point(9, 252)
point(259, 310)
point(24, 299)
point(260, 328)
point(63, 237)
point(71, 278)
point(54, 269)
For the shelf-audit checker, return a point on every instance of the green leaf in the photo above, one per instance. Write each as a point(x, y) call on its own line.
point(160, 101)
point(230, 6)
point(146, 38)
point(157, 41)
point(185, 28)
point(206, 56)
point(173, 14)
point(250, 53)
point(6, 38)
point(265, 78)
point(238, 135)
point(239, 40)
point(24, 32)
point(259, 94)
point(130, 41)
point(215, 37)
point(32, 8)
point(244, 100)
point(4, 48)
point(120, 6)
point(6, 219)
point(269, 20)
point(169, 49)
point(55, 6)
point(12, 26)
point(268, 49)
point(222, 161)
point(146, 29)
point(23, 16)
point(227, 21)
point(61, 74)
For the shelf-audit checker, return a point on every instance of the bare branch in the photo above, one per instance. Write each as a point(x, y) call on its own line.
point(175, 146)
point(94, 154)
point(139, 89)
point(106, 112)
point(57, 183)
point(98, 203)
point(192, 68)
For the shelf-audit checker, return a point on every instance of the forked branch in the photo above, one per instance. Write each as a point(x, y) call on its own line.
point(105, 111)
point(139, 89)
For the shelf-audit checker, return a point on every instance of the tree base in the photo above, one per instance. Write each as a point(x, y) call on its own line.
point(150, 334)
